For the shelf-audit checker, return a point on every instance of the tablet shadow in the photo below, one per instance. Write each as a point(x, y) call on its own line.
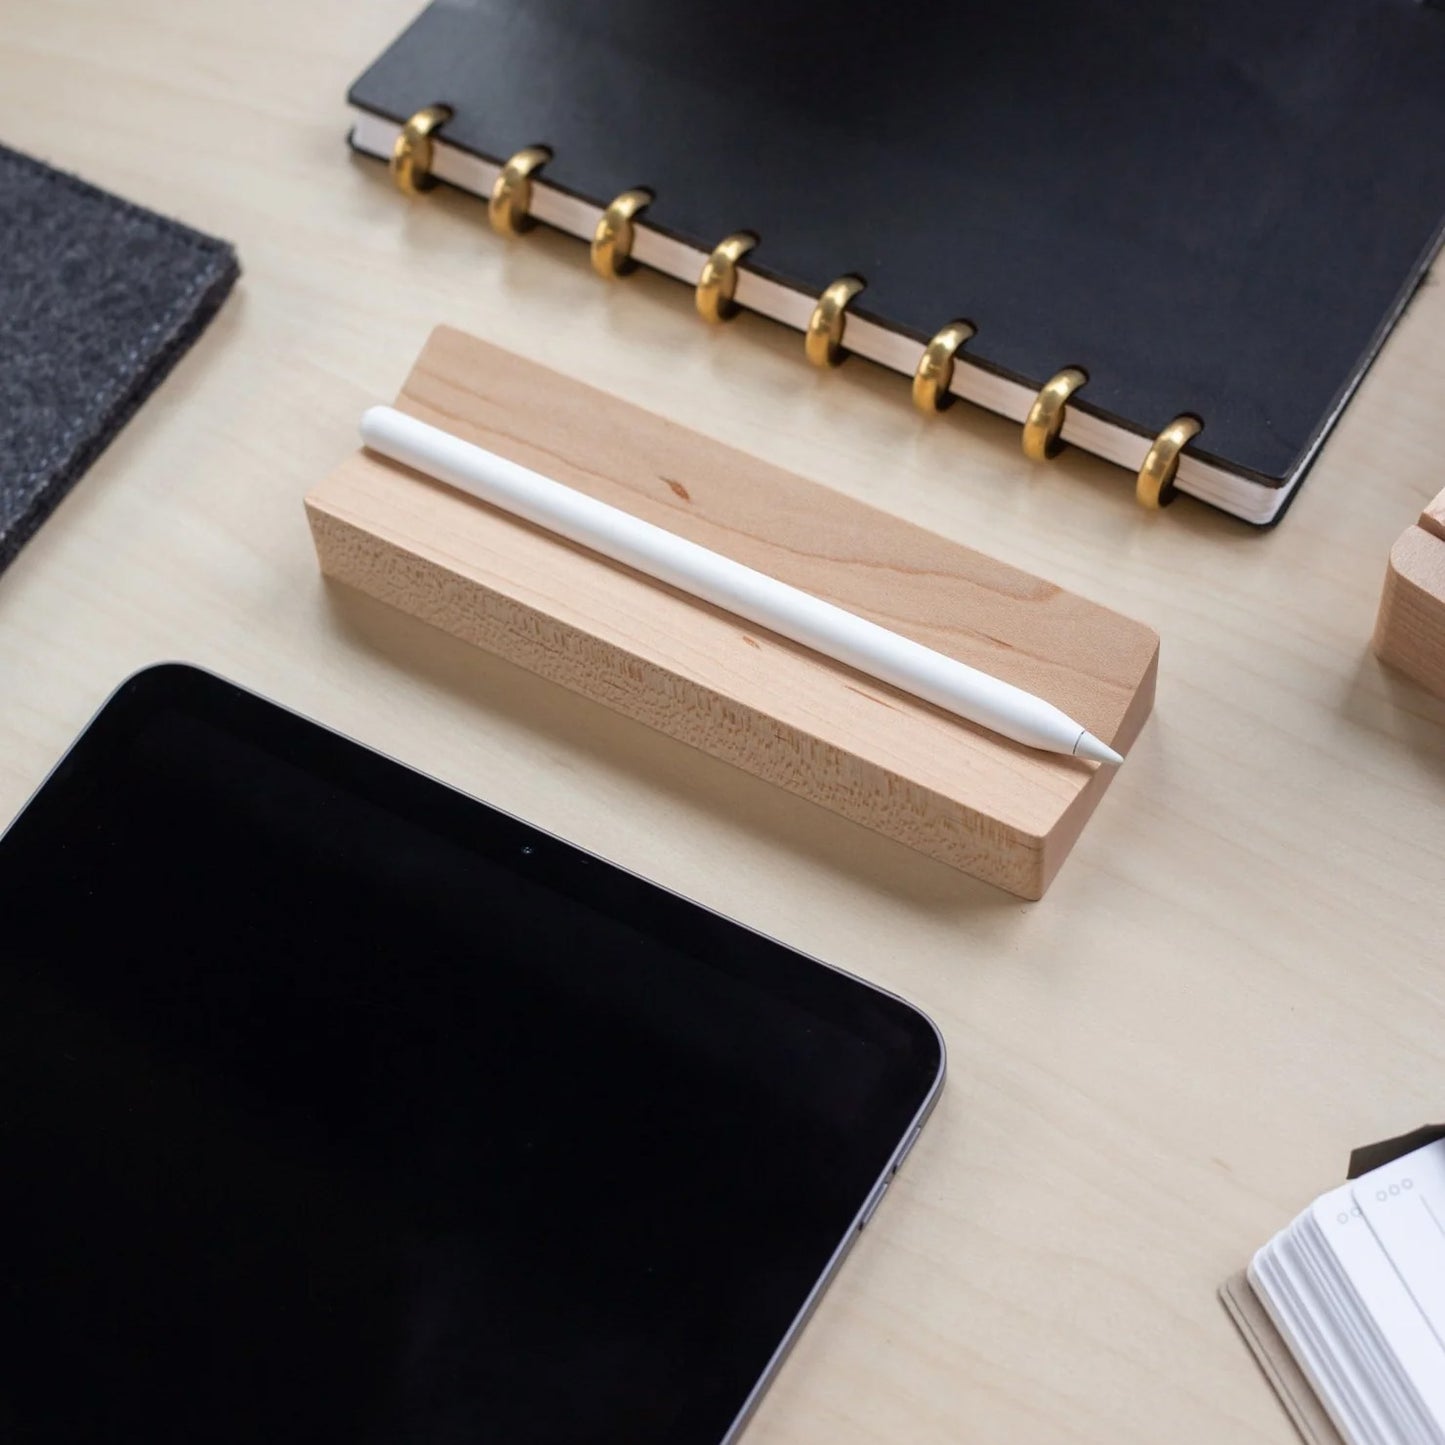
point(491, 684)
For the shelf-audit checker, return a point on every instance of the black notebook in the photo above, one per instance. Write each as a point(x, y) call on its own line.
point(1213, 212)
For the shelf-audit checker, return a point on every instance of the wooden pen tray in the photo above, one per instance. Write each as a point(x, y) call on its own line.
point(976, 801)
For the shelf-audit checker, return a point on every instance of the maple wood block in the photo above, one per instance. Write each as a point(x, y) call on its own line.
point(959, 793)
point(1410, 628)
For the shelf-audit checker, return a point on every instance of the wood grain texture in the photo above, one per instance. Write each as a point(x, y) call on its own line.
point(1001, 812)
point(1410, 627)
point(1236, 979)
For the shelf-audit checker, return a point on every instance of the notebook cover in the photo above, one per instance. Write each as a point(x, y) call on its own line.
point(1216, 210)
point(1301, 1403)
point(98, 300)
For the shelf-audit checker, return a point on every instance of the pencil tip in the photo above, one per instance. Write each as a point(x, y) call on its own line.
point(1088, 746)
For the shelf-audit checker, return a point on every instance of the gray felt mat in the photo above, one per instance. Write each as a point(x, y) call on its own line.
point(98, 299)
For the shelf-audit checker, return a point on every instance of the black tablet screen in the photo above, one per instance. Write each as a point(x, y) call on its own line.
point(337, 1106)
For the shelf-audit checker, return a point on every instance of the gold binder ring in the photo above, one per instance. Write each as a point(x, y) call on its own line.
point(1046, 416)
point(615, 233)
point(511, 200)
point(717, 282)
point(823, 340)
point(1155, 486)
point(935, 367)
point(411, 154)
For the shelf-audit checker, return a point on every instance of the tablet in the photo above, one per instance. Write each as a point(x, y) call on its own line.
point(337, 1106)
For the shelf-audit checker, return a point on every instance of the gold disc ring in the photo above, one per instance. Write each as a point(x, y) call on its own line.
point(615, 233)
point(717, 282)
point(511, 201)
point(411, 154)
point(823, 340)
point(1155, 485)
point(1046, 416)
point(935, 367)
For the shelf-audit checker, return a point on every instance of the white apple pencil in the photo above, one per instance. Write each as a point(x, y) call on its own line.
point(853, 640)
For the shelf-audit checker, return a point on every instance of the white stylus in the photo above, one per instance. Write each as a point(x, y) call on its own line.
point(871, 649)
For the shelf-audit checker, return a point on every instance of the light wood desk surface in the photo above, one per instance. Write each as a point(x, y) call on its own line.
point(1236, 977)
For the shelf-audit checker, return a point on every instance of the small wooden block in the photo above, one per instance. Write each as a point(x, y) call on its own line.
point(1410, 628)
point(999, 811)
